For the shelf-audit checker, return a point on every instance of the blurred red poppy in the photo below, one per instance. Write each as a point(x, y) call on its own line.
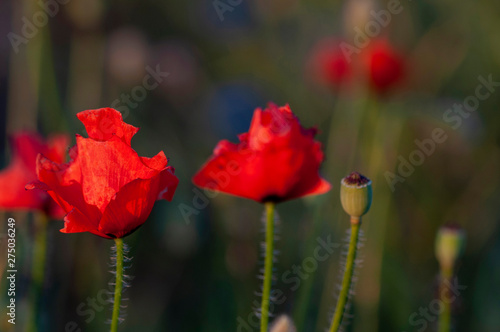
point(275, 161)
point(25, 146)
point(328, 65)
point(384, 64)
point(106, 188)
point(378, 64)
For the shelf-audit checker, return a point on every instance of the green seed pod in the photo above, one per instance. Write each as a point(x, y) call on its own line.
point(450, 245)
point(356, 194)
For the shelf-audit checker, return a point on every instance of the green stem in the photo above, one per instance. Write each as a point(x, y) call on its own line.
point(346, 282)
point(445, 315)
point(37, 274)
point(268, 267)
point(118, 285)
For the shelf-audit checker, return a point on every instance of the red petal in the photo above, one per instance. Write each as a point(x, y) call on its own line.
point(225, 146)
point(25, 146)
point(57, 148)
point(274, 128)
point(107, 166)
point(315, 186)
point(58, 207)
point(130, 207)
point(168, 184)
point(36, 185)
point(77, 222)
point(253, 175)
point(158, 162)
point(12, 193)
point(62, 181)
point(104, 123)
point(22, 170)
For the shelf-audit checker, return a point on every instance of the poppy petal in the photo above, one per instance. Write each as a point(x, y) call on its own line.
point(130, 207)
point(25, 147)
point(158, 162)
point(107, 167)
point(62, 181)
point(102, 124)
point(57, 148)
point(77, 222)
point(168, 184)
point(13, 195)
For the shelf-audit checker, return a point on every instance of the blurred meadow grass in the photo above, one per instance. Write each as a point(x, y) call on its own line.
point(198, 273)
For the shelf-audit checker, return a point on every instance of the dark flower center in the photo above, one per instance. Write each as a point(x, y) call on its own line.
point(356, 179)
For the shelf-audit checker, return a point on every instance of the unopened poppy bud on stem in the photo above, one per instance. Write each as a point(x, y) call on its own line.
point(356, 195)
point(356, 198)
point(450, 245)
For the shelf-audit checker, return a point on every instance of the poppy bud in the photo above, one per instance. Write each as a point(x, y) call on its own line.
point(283, 324)
point(356, 194)
point(450, 245)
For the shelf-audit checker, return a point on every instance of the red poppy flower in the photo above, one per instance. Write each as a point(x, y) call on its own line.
point(275, 161)
point(328, 65)
point(106, 188)
point(25, 146)
point(378, 64)
point(384, 64)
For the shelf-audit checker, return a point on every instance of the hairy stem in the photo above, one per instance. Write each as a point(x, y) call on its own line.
point(348, 273)
point(445, 315)
point(268, 267)
point(118, 285)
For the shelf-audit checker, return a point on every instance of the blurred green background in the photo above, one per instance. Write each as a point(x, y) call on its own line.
point(224, 59)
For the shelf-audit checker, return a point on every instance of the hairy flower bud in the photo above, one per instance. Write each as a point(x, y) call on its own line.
point(356, 194)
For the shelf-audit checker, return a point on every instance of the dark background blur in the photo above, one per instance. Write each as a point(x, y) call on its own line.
point(198, 273)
